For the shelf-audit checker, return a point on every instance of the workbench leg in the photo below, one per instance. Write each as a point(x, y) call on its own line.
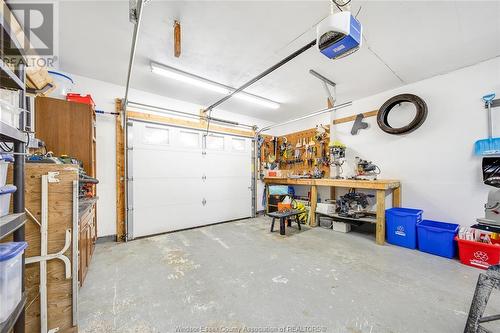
point(266, 190)
point(272, 225)
point(314, 201)
point(380, 233)
point(333, 194)
point(282, 226)
point(396, 197)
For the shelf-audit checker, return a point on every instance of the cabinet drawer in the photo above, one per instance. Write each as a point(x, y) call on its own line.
point(87, 217)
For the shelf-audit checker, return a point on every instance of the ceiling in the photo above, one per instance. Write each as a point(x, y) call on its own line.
point(232, 41)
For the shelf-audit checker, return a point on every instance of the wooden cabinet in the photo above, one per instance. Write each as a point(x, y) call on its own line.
point(68, 128)
point(87, 238)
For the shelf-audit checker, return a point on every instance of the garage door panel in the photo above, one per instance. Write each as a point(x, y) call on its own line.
point(150, 163)
point(227, 188)
point(165, 219)
point(165, 191)
point(217, 210)
point(232, 166)
point(176, 187)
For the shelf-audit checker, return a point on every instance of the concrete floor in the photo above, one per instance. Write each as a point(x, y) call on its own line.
point(226, 277)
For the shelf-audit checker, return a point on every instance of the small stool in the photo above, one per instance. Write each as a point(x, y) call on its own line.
point(485, 284)
point(285, 216)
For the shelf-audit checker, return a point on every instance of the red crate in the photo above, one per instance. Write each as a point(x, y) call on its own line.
point(86, 99)
point(480, 255)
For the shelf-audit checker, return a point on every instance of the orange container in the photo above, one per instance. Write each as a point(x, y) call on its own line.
point(284, 206)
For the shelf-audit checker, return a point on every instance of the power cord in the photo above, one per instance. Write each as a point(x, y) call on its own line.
point(359, 11)
point(339, 6)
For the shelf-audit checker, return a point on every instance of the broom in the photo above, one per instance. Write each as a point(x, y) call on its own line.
point(490, 146)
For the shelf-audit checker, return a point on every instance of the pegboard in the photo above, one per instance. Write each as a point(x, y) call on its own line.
point(294, 158)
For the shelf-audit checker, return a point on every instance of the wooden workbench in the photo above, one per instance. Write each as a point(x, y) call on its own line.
point(381, 187)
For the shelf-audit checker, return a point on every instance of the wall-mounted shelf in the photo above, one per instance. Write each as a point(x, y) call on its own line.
point(355, 221)
point(9, 78)
point(10, 133)
point(10, 223)
point(8, 324)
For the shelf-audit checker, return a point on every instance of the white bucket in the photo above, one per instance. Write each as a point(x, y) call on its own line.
point(63, 85)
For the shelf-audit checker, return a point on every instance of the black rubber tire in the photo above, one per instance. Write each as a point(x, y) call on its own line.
point(419, 119)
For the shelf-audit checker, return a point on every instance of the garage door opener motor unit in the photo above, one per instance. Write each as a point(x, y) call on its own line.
point(339, 35)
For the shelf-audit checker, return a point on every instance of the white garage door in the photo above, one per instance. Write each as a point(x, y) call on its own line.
point(180, 179)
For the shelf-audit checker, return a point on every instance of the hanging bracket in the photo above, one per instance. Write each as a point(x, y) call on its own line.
point(133, 11)
point(326, 82)
point(59, 255)
point(52, 177)
point(44, 255)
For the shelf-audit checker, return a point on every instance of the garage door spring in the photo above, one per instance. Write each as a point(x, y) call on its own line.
point(419, 119)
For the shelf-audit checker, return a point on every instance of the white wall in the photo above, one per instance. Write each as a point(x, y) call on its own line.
point(436, 164)
point(104, 94)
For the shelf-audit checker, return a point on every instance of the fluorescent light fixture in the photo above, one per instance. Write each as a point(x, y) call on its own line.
point(201, 82)
point(256, 100)
point(182, 76)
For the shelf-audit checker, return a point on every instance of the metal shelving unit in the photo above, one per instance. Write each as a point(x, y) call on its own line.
point(9, 133)
point(10, 223)
point(13, 224)
point(8, 78)
point(7, 325)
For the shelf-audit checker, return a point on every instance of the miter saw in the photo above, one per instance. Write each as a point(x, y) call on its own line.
point(365, 170)
point(353, 205)
point(491, 176)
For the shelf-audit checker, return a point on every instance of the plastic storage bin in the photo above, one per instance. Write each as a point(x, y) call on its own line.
point(9, 114)
point(278, 190)
point(401, 226)
point(480, 255)
point(86, 99)
point(437, 238)
point(5, 194)
point(10, 97)
point(341, 227)
point(325, 222)
point(10, 277)
point(5, 159)
point(325, 208)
